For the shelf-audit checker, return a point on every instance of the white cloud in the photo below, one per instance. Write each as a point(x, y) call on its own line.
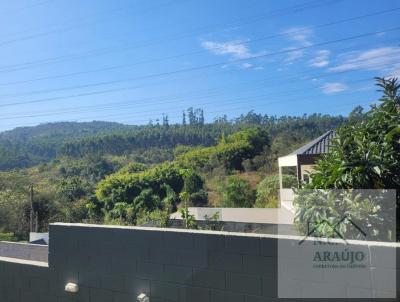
point(293, 55)
point(236, 49)
point(321, 59)
point(233, 48)
point(247, 65)
point(382, 59)
point(299, 34)
point(331, 88)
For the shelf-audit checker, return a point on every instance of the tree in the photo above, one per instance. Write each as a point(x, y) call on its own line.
point(183, 118)
point(356, 114)
point(120, 210)
point(365, 155)
point(238, 193)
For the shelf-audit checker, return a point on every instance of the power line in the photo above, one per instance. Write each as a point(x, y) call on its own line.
point(78, 25)
point(247, 106)
point(179, 112)
point(110, 50)
point(12, 68)
point(176, 100)
point(189, 69)
point(198, 52)
point(137, 86)
point(176, 97)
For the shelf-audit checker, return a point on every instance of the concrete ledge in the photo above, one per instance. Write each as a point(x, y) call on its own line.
point(23, 261)
point(26, 251)
point(229, 234)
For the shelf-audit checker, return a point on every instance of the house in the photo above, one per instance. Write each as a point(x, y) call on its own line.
point(301, 163)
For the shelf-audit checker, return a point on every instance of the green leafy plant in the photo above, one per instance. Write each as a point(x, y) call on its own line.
point(238, 193)
point(365, 155)
point(268, 190)
point(188, 219)
point(212, 222)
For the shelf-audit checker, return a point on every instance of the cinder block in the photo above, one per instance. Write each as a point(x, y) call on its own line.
point(100, 295)
point(261, 265)
point(178, 274)
point(195, 258)
point(244, 283)
point(144, 239)
point(179, 240)
point(381, 294)
point(209, 242)
point(147, 270)
point(29, 296)
point(23, 283)
point(46, 297)
point(225, 261)
point(39, 285)
point(121, 297)
point(383, 279)
point(383, 257)
point(122, 266)
point(7, 281)
point(9, 294)
point(137, 286)
point(357, 292)
point(264, 299)
point(224, 296)
point(194, 294)
point(89, 279)
point(270, 287)
point(243, 245)
point(209, 278)
point(164, 290)
point(96, 263)
point(112, 282)
point(137, 253)
point(269, 247)
point(162, 256)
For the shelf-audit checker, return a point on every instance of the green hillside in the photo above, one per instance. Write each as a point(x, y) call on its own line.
point(112, 173)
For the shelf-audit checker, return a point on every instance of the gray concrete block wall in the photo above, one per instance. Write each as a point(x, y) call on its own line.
point(116, 264)
point(25, 251)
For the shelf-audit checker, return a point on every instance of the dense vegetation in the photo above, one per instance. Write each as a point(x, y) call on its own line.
point(28, 146)
point(365, 155)
point(111, 173)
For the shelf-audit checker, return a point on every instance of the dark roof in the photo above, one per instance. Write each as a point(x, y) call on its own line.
point(39, 241)
point(319, 145)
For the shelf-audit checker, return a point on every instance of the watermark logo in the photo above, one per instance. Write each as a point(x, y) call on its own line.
point(333, 258)
point(335, 228)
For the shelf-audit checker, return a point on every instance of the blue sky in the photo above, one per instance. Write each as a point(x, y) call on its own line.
point(131, 61)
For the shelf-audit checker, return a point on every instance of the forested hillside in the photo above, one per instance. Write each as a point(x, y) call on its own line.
point(112, 173)
point(29, 146)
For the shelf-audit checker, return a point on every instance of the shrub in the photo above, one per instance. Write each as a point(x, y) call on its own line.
point(133, 168)
point(238, 193)
point(7, 237)
point(268, 190)
point(199, 198)
point(230, 152)
point(125, 187)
